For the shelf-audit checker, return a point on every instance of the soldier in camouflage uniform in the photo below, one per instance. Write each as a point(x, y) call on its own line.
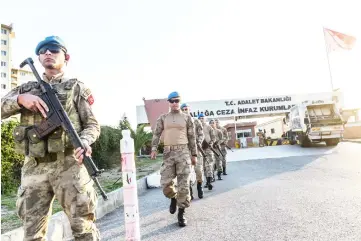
point(209, 139)
point(200, 136)
point(219, 139)
point(52, 168)
point(223, 144)
point(180, 152)
point(261, 138)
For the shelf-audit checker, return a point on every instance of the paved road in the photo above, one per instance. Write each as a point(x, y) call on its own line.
point(314, 196)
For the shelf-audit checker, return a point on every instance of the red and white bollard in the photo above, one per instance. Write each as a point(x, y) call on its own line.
point(130, 192)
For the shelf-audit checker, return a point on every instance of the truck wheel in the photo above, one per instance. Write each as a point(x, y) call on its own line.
point(305, 142)
point(332, 142)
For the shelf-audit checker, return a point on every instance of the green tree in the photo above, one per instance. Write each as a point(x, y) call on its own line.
point(11, 162)
point(106, 150)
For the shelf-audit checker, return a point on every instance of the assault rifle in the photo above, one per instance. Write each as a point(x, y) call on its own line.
point(202, 152)
point(57, 117)
point(206, 145)
point(228, 147)
point(219, 149)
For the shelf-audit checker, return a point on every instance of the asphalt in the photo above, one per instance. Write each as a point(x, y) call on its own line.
point(316, 196)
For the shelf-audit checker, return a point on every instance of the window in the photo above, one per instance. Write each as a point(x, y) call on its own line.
point(3, 52)
point(4, 42)
point(3, 75)
point(244, 133)
point(4, 31)
point(22, 74)
point(3, 86)
point(272, 130)
point(3, 63)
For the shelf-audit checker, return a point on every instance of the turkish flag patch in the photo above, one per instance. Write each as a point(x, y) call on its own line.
point(91, 99)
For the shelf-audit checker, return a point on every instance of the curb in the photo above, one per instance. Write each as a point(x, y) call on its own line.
point(59, 226)
point(353, 141)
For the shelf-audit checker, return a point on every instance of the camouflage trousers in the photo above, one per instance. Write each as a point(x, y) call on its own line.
point(208, 163)
point(224, 151)
point(64, 180)
point(199, 168)
point(219, 160)
point(176, 164)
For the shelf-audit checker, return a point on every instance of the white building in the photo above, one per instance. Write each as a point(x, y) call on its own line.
point(7, 35)
point(274, 128)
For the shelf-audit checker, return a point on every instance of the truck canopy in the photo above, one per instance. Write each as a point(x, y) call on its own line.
point(323, 113)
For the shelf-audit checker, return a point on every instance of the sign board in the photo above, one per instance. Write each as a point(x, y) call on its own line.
point(268, 105)
point(258, 106)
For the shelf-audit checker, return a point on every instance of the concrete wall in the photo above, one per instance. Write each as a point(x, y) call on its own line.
point(352, 130)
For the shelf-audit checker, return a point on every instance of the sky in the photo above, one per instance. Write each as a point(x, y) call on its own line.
point(206, 50)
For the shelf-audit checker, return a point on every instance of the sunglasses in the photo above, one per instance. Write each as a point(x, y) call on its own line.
point(54, 49)
point(185, 108)
point(174, 101)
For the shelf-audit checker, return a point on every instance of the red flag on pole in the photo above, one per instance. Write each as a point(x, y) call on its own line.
point(336, 41)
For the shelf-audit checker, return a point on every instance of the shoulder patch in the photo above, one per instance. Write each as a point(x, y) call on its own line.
point(86, 93)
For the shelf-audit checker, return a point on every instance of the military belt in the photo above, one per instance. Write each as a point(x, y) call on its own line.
point(175, 147)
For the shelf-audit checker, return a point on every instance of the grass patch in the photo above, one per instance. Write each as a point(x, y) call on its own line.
point(142, 163)
point(144, 166)
point(10, 222)
point(111, 185)
point(8, 201)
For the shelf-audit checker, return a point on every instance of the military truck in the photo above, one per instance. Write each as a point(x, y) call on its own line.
point(314, 122)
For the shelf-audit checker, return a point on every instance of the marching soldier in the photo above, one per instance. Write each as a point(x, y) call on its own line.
point(219, 139)
point(199, 166)
point(180, 152)
point(223, 145)
point(209, 140)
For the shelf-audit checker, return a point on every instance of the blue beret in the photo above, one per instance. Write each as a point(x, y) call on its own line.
point(200, 115)
point(184, 105)
point(50, 40)
point(173, 95)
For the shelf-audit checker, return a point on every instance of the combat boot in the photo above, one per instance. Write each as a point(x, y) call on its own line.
point(200, 190)
point(209, 185)
point(191, 191)
point(173, 205)
point(182, 221)
point(224, 170)
point(219, 175)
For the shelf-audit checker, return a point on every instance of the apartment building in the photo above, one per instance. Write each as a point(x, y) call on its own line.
point(6, 36)
point(21, 76)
